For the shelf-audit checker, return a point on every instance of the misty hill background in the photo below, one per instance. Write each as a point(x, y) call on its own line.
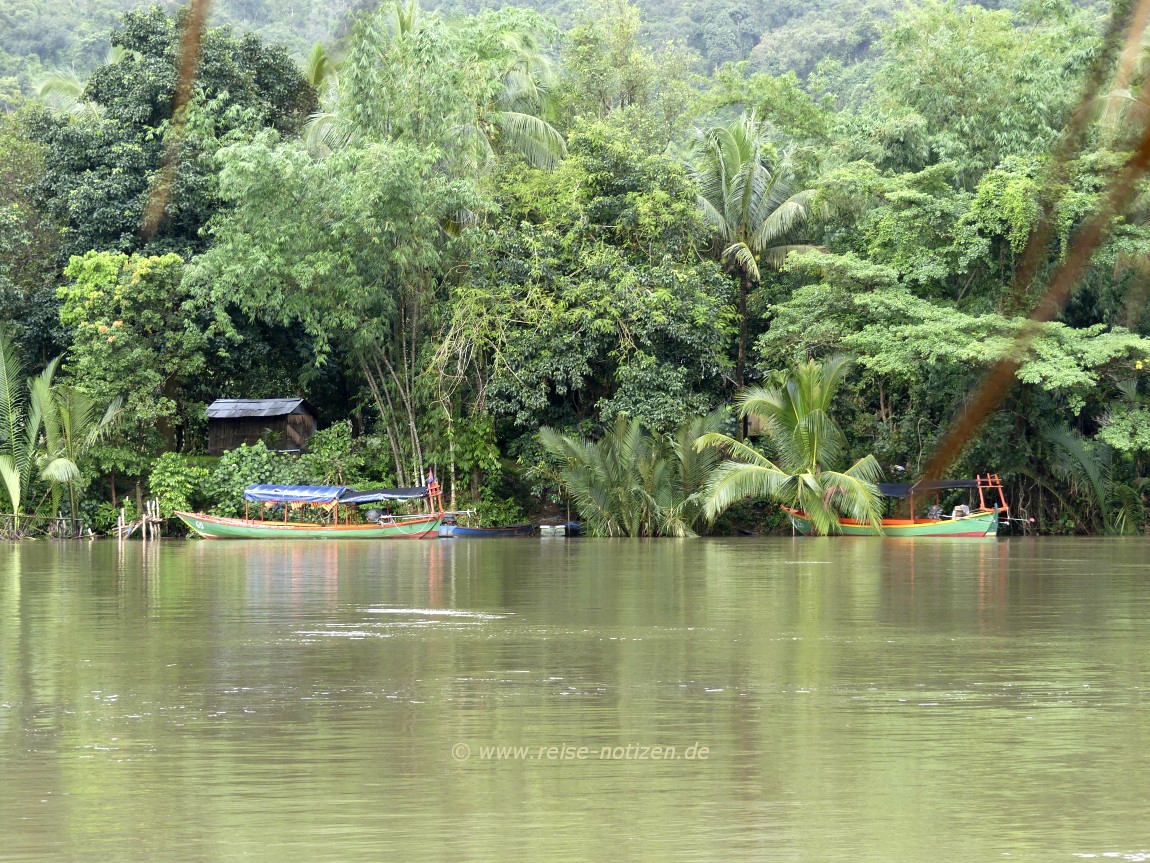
point(776, 36)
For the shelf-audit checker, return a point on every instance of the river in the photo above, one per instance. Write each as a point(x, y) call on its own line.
point(575, 700)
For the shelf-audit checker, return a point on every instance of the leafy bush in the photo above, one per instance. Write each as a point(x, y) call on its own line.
point(176, 484)
point(334, 458)
point(248, 465)
point(498, 511)
point(103, 515)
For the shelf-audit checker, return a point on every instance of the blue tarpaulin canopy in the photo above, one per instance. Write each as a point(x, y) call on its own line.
point(294, 493)
point(329, 494)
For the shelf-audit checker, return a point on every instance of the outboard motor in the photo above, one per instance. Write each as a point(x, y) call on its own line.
point(373, 515)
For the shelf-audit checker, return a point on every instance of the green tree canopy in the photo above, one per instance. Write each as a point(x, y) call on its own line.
point(103, 166)
point(139, 335)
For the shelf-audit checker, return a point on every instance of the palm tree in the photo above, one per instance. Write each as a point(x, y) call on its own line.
point(693, 469)
point(746, 194)
point(496, 70)
point(321, 68)
point(517, 96)
point(811, 448)
point(324, 130)
point(19, 428)
point(633, 482)
point(73, 424)
point(62, 90)
point(1093, 480)
point(46, 429)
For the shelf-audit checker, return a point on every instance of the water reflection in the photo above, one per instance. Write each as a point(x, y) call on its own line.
point(300, 701)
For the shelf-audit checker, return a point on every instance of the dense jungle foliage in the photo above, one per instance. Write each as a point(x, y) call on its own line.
point(448, 230)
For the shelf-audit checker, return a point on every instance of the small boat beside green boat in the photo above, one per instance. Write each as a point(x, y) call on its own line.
point(329, 512)
point(452, 530)
point(980, 519)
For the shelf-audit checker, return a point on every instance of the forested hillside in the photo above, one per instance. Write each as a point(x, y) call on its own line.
point(777, 37)
point(455, 232)
point(37, 36)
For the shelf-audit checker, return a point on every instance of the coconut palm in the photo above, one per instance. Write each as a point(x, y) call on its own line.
point(746, 192)
point(62, 90)
point(807, 473)
point(516, 95)
point(633, 482)
point(491, 83)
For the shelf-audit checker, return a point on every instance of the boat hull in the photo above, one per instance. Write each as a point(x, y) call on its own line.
point(458, 532)
point(215, 527)
point(973, 525)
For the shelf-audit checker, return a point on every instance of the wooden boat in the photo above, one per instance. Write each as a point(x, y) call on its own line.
point(979, 520)
point(458, 531)
point(331, 502)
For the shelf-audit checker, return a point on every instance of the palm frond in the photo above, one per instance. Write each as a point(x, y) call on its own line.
point(320, 66)
point(10, 474)
point(779, 224)
point(61, 471)
point(744, 259)
point(776, 256)
point(13, 393)
point(735, 448)
point(735, 481)
point(325, 132)
point(533, 138)
point(63, 90)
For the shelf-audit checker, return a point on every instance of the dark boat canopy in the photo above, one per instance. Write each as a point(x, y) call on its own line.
point(379, 495)
point(329, 494)
point(901, 489)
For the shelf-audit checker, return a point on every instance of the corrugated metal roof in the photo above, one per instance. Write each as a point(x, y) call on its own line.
point(238, 408)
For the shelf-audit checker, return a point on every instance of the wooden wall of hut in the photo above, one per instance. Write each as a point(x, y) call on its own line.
point(298, 431)
point(290, 432)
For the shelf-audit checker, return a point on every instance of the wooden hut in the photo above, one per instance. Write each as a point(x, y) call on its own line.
point(283, 424)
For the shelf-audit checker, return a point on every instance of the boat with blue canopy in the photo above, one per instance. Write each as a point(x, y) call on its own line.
point(325, 512)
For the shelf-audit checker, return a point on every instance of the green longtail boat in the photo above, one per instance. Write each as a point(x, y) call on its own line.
point(979, 520)
point(331, 502)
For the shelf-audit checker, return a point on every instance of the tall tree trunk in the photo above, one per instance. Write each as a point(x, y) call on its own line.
point(377, 382)
point(405, 397)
